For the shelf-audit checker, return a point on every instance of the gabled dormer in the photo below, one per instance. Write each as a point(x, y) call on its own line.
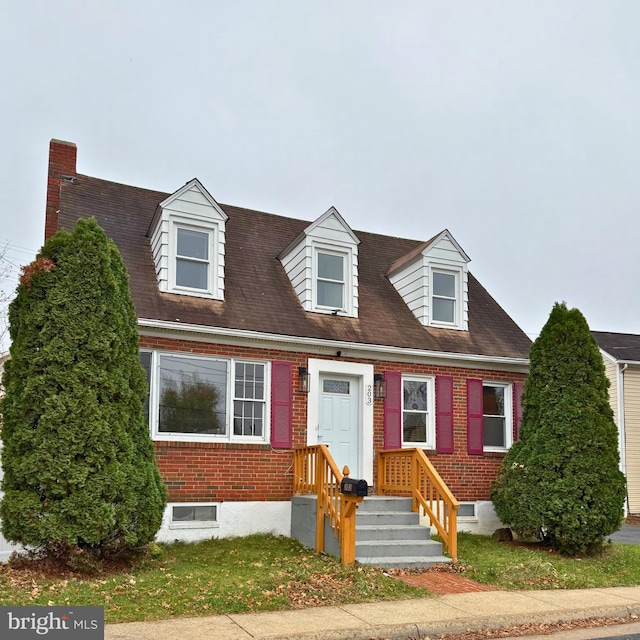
point(322, 264)
point(187, 237)
point(433, 282)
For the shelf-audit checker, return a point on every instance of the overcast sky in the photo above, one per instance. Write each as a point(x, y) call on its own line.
point(514, 124)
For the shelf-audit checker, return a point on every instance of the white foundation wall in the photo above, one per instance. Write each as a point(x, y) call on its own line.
point(6, 548)
point(484, 523)
point(234, 519)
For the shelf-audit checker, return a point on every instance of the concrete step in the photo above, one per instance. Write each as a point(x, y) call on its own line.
point(382, 518)
point(385, 503)
point(391, 532)
point(405, 562)
point(395, 548)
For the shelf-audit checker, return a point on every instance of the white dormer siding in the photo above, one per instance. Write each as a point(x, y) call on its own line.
point(433, 282)
point(187, 237)
point(322, 264)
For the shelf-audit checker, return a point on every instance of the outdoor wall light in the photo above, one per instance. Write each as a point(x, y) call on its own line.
point(379, 386)
point(305, 378)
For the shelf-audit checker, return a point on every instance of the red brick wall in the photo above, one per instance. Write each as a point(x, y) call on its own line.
point(62, 162)
point(225, 471)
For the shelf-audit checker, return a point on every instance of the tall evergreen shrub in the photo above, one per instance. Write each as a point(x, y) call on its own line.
point(78, 461)
point(561, 481)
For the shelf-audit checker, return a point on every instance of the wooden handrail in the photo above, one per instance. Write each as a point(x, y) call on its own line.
point(410, 472)
point(315, 471)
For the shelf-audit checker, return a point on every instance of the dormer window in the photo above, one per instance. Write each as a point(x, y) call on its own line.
point(444, 297)
point(322, 264)
point(187, 236)
point(330, 281)
point(192, 259)
point(433, 281)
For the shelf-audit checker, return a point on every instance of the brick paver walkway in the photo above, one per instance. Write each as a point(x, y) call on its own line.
point(444, 583)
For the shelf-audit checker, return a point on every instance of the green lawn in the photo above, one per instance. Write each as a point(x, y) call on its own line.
point(513, 567)
point(256, 573)
point(261, 573)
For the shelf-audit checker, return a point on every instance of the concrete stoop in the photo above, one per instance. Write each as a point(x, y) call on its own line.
point(389, 535)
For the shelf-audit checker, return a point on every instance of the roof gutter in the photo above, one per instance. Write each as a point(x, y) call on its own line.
point(165, 326)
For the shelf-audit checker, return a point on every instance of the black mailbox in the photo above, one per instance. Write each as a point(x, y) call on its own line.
point(352, 487)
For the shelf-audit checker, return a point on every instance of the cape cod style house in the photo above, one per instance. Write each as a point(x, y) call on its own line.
point(263, 334)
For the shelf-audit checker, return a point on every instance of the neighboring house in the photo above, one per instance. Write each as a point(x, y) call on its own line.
point(621, 354)
point(261, 333)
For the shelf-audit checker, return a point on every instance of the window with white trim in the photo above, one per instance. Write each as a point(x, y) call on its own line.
point(497, 416)
point(193, 515)
point(330, 279)
point(467, 511)
point(418, 420)
point(193, 269)
point(193, 262)
point(445, 297)
point(199, 398)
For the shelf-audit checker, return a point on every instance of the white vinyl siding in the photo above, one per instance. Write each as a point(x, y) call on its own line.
point(298, 266)
point(329, 234)
point(632, 431)
point(193, 208)
point(414, 283)
point(611, 370)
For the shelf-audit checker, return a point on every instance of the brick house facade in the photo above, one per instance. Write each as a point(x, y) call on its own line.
point(238, 309)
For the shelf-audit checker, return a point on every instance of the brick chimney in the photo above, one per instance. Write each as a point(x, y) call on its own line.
point(62, 162)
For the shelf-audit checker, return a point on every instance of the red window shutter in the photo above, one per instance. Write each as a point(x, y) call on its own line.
point(444, 414)
point(281, 404)
point(518, 388)
point(475, 428)
point(393, 411)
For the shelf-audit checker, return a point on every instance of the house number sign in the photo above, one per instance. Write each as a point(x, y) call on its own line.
point(369, 394)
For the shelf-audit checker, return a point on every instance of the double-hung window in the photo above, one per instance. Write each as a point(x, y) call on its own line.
point(196, 398)
point(330, 280)
point(444, 297)
point(497, 416)
point(417, 412)
point(193, 260)
point(248, 403)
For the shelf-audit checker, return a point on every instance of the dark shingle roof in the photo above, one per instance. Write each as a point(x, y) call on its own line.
point(258, 294)
point(621, 346)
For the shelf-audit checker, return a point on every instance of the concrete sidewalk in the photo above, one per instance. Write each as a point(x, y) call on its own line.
point(400, 619)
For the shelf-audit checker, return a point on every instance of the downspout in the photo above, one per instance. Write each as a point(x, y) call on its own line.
point(621, 428)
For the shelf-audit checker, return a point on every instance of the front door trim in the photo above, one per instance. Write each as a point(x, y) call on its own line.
point(364, 373)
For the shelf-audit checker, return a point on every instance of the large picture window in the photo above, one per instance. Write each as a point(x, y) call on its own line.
point(196, 398)
point(417, 412)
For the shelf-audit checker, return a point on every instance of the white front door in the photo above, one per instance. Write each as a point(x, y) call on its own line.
point(339, 421)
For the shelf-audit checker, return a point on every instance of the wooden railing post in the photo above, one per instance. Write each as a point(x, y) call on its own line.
point(414, 484)
point(348, 506)
point(452, 543)
point(381, 480)
point(320, 488)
